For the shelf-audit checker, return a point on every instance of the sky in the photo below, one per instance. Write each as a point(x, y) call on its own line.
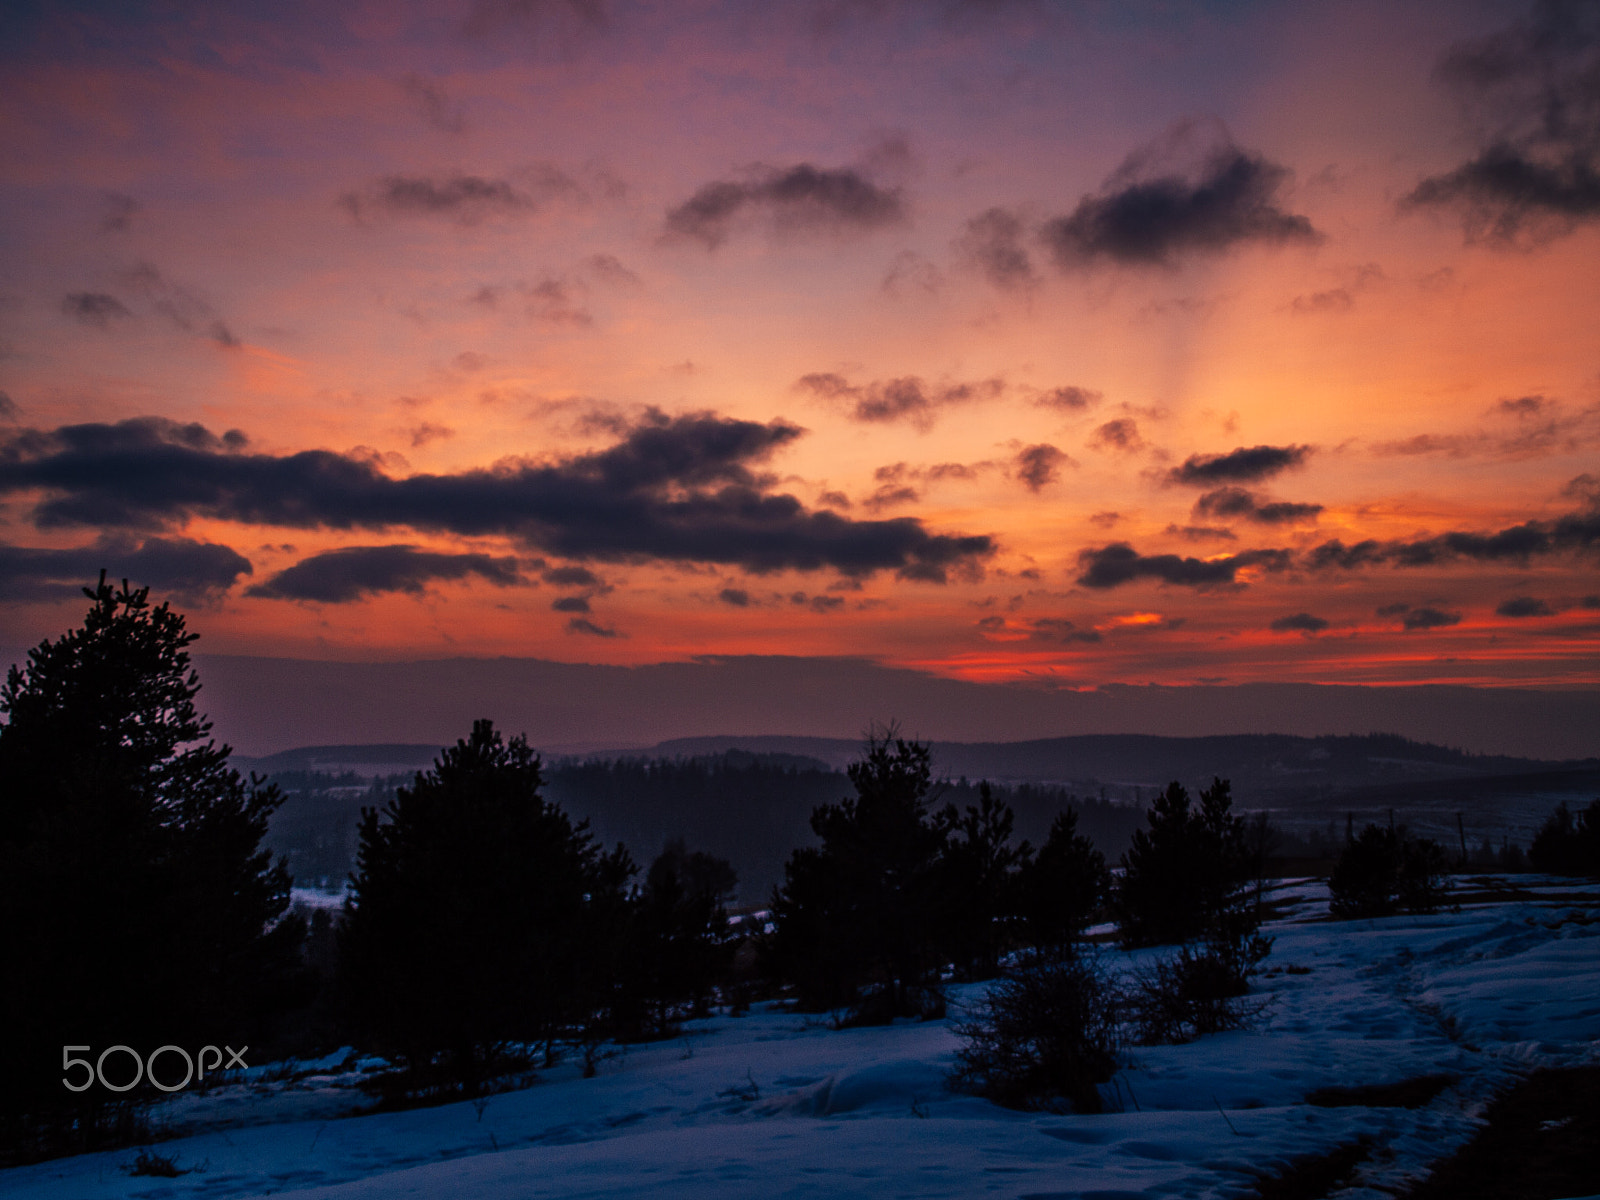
point(1077, 343)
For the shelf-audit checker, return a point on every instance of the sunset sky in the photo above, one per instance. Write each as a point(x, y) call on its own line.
point(1155, 342)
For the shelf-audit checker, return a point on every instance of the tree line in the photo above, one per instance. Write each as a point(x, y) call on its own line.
point(486, 933)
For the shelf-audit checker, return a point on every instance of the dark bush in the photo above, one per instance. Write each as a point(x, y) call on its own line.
point(1568, 843)
point(1043, 1037)
point(1383, 871)
point(1196, 991)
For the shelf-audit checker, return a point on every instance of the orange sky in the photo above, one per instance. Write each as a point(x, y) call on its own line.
point(1024, 272)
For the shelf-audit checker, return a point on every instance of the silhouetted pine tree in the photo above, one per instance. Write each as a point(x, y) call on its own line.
point(1186, 871)
point(860, 912)
point(139, 907)
point(978, 883)
point(1062, 886)
point(679, 945)
point(480, 920)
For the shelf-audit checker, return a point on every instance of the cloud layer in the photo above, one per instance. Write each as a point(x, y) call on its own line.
point(353, 572)
point(799, 199)
point(1145, 215)
point(680, 489)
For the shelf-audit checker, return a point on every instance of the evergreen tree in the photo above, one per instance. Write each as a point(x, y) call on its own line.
point(1184, 872)
point(140, 908)
point(680, 943)
point(860, 911)
point(480, 920)
point(1061, 887)
point(978, 878)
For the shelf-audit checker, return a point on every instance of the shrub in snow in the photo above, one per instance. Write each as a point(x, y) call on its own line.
point(1198, 990)
point(1568, 843)
point(1043, 1037)
point(1382, 871)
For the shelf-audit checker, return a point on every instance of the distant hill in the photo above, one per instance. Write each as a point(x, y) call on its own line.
point(749, 799)
point(1269, 769)
point(263, 705)
point(385, 758)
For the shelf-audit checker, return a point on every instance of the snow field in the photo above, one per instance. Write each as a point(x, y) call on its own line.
point(776, 1104)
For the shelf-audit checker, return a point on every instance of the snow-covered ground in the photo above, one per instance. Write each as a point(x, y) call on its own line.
point(772, 1104)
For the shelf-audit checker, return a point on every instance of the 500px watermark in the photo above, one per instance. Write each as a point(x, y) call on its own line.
point(145, 1068)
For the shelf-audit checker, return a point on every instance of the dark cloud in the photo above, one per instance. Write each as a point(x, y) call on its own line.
point(1540, 427)
point(737, 597)
point(571, 604)
point(180, 567)
point(583, 625)
point(119, 212)
point(94, 308)
point(571, 576)
point(1058, 629)
point(1575, 531)
point(435, 107)
point(1524, 606)
point(1121, 435)
point(1040, 465)
point(1301, 622)
point(890, 495)
point(1105, 519)
point(1429, 617)
point(679, 489)
point(1119, 563)
point(1147, 214)
point(354, 572)
point(1334, 300)
point(825, 604)
point(8, 407)
point(908, 398)
point(426, 432)
point(553, 300)
point(1201, 533)
point(1237, 502)
point(993, 243)
point(1247, 464)
point(951, 470)
point(1534, 89)
point(798, 199)
point(465, 199)
point(608, 268)
point(179, 305)
point(1522, 406)
point(1073, 399)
